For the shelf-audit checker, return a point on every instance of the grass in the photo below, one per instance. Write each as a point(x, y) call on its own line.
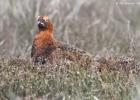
point(110, 81)
point(96, 26)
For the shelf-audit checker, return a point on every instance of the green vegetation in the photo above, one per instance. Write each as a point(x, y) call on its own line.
point(20, 78)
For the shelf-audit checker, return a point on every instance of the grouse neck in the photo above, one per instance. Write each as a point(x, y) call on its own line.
point(44, 38)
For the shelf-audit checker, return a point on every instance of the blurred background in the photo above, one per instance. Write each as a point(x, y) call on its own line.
point(97, 26)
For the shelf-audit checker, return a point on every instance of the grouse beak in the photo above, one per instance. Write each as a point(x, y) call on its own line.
point(40, 24)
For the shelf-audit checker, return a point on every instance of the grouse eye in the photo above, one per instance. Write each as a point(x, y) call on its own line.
point(46, 21)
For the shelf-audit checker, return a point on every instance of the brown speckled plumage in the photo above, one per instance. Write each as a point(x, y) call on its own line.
point(46, 49)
